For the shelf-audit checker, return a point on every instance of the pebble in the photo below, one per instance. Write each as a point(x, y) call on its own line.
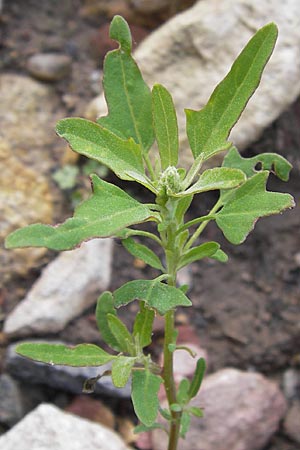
point(49, 428)
point(49, 66)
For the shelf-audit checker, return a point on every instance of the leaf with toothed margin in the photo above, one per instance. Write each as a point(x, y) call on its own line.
point(247, 204)
point(209, 128)
point(127, 95)
point(157, 295)
point(83, 355)
point(106, 212)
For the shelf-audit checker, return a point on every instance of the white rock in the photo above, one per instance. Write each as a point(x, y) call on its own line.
point(68, 285)
point(48, 428)
point(192, 52)
point(241, 412)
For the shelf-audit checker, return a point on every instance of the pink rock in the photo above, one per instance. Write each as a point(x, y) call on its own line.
point(241, 412)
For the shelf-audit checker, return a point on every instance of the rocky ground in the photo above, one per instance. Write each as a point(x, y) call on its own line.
point(246, 313)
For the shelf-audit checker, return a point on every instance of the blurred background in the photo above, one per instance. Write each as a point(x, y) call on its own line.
point(51, 60)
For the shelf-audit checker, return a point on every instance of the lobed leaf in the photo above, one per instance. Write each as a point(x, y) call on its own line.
point(165, 126)
point(209, 128)
point(106, 212)
point(217, 178)
point(127, 95)
point(142, 252)
point(105, 306)
point(266, 161)
point(208, 249)
point(98, 143)
point(83, 355)
point(142, 327)
point(247, 204)
point(145, 386)
point(121, 370)
point(157, 295)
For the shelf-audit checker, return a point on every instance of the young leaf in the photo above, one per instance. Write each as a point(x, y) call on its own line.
point(145, 386)
point(183, 391)
point(247, 204)
point(121, 370)
point(266, 161)
point(143, 325)
point(157, 295)
point(220, 256)
point(197, 378)
point(165, 126)
point(105, 306)
point(121, 334)
point(217, 178)
point(185, 423)
point(127, 95)
point(209, 128)
point(83, 355)
point(195, 411)
point(142, 252)
point(106, 212)
point(98, 143)
point(208, 249)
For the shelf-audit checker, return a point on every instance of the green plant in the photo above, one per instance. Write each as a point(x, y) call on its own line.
point(121, 141)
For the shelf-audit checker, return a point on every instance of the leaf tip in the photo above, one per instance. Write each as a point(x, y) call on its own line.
point(119, 31)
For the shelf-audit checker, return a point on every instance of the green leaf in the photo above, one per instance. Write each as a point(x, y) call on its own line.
point(127, 95)
point(175, 407)
point(217, 178)
point(266, 161)
point(165, 413)
point(121, 334)
point(143, 325)
point(58, 354)
point(98, 143)
point(119, 31)
point(165, 126)
point(183, 391)
point(145, 386)
point(142, 252)
point(208, 249)
point(121, 370)
point(185, 423)
point(105, 306)
point(195, 411)
point(209, 128)
point(220, 256)
point(157, 295)
point(197, 378)
point(106, 212)
point(247, 204)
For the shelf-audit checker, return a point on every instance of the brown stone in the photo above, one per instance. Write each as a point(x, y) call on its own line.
point(92, 409)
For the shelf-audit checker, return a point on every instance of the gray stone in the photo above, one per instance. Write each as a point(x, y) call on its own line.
point(48, 428)
point(49, 66)
point(68, 285)
point(241, 412)
point(11, 401)
point(65, 378)
point(192, 52)
point(291, 383)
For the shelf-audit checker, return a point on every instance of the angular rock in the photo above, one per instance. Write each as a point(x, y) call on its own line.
point(199, 47)
point(241, 412)
point(65, 378)
point(48, 428)
point(49, 66)
point(68, 285)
